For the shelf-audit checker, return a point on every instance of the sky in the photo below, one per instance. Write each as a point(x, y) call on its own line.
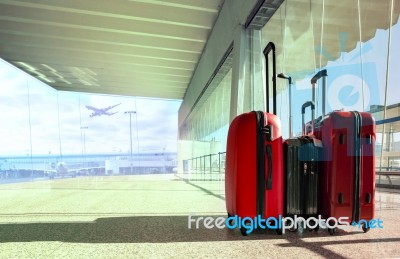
point(33, 124)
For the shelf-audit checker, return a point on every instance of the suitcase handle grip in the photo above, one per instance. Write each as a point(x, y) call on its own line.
point(303, 111)
point(321, 74)
point(318, 75)
point(305, 105)
point(269, 156)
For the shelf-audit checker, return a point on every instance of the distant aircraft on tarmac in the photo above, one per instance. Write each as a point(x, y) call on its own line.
point(61, 170)
point(101, 111)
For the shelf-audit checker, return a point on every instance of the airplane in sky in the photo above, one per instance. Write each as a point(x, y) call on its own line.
point(101, 111)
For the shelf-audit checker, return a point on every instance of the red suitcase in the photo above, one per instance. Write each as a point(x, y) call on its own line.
point(254, 169)
point(348, 178)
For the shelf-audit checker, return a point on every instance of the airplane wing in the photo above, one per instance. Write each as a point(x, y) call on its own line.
point(109, 114)
point(92, 108)
point(94, 114)
point(110, 107)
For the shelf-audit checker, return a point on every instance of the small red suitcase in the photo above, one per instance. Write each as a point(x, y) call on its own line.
point(348, 178)
point(254, 169)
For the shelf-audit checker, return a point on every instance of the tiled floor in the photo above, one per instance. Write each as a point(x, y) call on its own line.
point(147, 216)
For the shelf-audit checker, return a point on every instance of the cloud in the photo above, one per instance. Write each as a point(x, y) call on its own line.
point(50, 116)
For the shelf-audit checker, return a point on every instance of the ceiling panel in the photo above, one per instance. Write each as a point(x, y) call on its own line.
point(140, 47)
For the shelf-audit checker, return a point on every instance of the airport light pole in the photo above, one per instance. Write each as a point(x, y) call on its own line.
point(84, 138)
point(83, 129)
point(130, 133)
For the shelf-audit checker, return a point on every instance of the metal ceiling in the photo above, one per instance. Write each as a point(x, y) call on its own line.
point(123, 47)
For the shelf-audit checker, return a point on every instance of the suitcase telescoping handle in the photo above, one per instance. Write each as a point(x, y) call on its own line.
point(289, 78)
point(321, 74)
point(270, 48)
point(268, 150)
point(303, 111)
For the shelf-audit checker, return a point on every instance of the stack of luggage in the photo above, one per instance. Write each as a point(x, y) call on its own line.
point(328, 171)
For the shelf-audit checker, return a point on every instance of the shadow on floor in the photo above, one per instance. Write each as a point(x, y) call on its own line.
point(320, 247)
point(166, 229)
point(140, 229)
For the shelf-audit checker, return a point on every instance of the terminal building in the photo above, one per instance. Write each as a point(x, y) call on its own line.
point(126, 106)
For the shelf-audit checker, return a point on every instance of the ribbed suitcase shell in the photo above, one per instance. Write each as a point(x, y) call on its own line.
point(348, 179)
point(246, 195)
point(302, 172)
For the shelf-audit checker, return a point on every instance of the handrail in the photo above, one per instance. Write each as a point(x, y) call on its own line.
point(388, 172)
point(200, 165)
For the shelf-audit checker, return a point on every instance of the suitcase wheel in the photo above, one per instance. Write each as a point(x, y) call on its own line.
point(314, 229)
point(293, 229)
point(231, 220)
point(243, 231)
point(365, 228)
point(279, 231)
point(332, 231)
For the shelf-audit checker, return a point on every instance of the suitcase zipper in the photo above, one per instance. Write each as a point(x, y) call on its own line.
point(264, 133)
point(260, 192)
point(357, 166)
point(268, 150)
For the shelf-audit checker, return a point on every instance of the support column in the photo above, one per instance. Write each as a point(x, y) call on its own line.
point(257, 71)
point(238, 72)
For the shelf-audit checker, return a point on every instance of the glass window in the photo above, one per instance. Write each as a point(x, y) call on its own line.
point(15, 145)
point(56, 134)
point(203, 136)
point(315, 35)
point(43, 108)
point(274, 31)
point(14, 105)
point(393, 97)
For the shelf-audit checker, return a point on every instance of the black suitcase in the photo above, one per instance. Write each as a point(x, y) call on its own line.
point(302, 156)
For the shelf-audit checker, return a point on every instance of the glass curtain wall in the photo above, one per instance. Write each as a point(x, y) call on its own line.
point(202, 137)
point(48, 134)
point(15, 130)
point(390, 128)
point(358, 42)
